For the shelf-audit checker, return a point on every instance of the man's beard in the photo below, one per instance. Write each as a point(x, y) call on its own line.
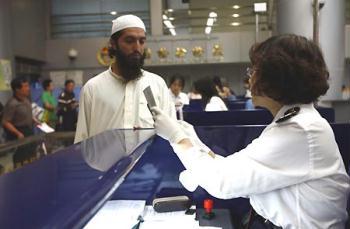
point(129, 65)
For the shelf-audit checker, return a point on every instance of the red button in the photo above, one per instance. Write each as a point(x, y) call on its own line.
point(208, 205)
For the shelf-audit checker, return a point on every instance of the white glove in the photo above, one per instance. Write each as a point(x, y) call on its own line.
point(166, 127)
point(192, 135)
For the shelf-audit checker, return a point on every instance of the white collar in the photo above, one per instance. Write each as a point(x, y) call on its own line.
point(283, 109)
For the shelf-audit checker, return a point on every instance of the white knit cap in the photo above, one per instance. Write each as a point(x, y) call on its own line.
point(127, 21)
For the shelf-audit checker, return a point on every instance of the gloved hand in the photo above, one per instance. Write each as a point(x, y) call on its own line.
point(167, 127)
point(192, 135)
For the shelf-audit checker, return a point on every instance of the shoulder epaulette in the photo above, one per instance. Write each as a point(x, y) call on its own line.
point(288, 114)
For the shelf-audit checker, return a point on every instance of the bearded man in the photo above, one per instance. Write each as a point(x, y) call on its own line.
point(114, 98)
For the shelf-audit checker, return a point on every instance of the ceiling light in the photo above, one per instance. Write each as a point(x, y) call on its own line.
point(165, 17)
point(235, 15)
point(236, 7)
point(213, 14)
point(170, 10)
point(210, 21)
point(171, 19)
point(113, 13)
point(168, 24)
point(207, 30)
point(260, 7)
point(235, 23)
point(172, 31)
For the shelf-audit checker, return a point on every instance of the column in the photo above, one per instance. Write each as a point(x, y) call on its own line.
point(156, 21)
point(296, 17)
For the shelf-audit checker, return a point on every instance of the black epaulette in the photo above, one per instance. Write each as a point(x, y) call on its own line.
point(288, 114)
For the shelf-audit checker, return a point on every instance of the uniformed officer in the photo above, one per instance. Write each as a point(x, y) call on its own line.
point(67, 112)
point(293, 172)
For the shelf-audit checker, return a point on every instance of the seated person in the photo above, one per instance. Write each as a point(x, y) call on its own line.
point(223, 89)
point(177, 83)
point(210, 98)
point(193, 94)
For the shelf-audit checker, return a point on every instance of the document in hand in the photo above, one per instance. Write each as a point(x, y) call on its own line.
point(45, 128)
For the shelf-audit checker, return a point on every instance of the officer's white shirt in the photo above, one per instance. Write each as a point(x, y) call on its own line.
point(215, 104)
point(293, 173)
point(107, 102)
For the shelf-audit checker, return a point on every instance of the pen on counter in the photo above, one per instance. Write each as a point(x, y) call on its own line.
point(137, 225)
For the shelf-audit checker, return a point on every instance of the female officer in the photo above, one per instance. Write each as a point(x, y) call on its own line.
point(293, 172)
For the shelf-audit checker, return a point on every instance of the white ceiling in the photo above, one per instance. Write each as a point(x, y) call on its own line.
point(191, 17)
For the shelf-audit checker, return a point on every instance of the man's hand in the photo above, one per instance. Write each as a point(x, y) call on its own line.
point(167, 127)
point(19, 135)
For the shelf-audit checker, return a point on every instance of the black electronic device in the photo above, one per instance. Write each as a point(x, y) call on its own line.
point(173, 203)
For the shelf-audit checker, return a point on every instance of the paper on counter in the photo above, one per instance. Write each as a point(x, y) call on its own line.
point(45, 128)
point(169, 220)
point(117, 214)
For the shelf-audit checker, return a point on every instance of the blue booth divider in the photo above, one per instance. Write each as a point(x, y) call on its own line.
point(241, 117)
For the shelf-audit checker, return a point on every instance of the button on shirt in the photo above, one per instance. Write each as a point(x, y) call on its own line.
point(293, 173)
point(108, 102)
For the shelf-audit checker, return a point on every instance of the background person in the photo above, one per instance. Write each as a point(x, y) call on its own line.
point(66, 111)
point(223, 89)
point(18, 121)
point(177, 83)
point(49, 104)
point(210, 98)
point(114, 98)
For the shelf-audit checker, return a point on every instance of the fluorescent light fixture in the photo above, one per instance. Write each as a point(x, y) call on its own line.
point(210, 22)
point(260, 7)
point(235, 15)
point(235, 23)
point(213, 14)
point(170, 10)
point(236, 7)
point(172, 31)
point(207, 30)
point(168, 24)
point(165, 17)
point(171, 19)
point(113, 13)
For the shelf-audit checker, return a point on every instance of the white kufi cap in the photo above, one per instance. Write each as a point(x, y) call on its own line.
point(127, 21)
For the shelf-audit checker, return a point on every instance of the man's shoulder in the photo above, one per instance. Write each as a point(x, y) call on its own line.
point(99, 78)
point(153, 77)
point(12, 102)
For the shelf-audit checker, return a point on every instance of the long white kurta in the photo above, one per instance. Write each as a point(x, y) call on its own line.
point(107, 102)
point(293, 173)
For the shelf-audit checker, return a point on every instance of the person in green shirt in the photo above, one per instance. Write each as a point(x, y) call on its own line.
point(49, 104)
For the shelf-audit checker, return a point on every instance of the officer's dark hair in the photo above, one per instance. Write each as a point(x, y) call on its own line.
point(17, 83)
point(114, 38)
point(46, 83)
point(178, 77)
point(289, 69)
point(68, 82)
point(206, 88)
